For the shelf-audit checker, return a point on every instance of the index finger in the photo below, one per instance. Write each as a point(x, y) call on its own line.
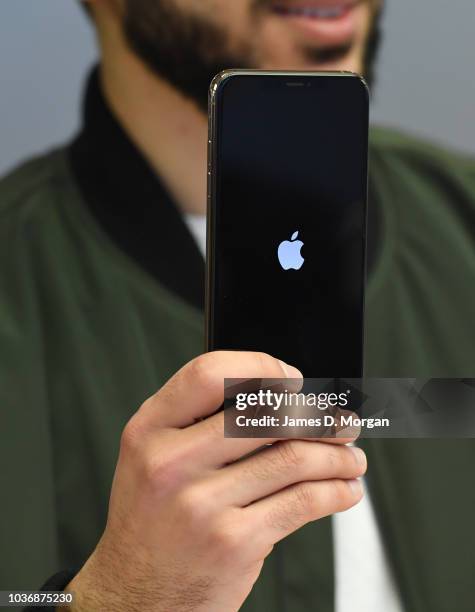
point(216, 450)
point(197, 390)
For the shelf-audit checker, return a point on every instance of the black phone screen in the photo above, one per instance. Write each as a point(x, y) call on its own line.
point(287, 220)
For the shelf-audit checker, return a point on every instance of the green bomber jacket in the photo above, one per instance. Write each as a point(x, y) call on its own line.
point(101, 289)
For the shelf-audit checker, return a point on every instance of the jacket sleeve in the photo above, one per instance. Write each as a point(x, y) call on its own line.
point(29, 550)
point(58, 582)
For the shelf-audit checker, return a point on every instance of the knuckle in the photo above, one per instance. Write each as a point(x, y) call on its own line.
point(262, 468)
point(156, 472)
point(335, 460)
point(193, 505)
point(202, 370)
point(226, 539)
point(282, 519)
point(305, 500)
point(290, 455)
point(135, 431)
point(131, 437)
point(296, 510)
point(159, 473)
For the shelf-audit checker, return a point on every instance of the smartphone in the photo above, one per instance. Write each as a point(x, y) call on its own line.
point(287, 217)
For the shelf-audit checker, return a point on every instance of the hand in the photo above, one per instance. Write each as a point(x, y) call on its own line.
point(192, 515)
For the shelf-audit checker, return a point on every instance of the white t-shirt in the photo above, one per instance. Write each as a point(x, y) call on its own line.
point(364, 580)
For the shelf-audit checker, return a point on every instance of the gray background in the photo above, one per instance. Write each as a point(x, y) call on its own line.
point(425, 80)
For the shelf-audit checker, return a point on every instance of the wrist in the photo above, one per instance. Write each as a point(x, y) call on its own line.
point(102, 585)
point(89, 589)
point(85, 596)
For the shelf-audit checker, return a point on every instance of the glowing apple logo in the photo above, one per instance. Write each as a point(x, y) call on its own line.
point(289, 253)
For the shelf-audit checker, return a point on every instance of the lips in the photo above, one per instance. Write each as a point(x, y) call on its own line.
point(322, 23)
point(326, 9)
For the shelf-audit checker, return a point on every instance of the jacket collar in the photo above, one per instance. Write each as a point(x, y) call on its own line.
point(130, 202)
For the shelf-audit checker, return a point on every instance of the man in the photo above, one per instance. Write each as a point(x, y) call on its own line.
point(102, 288)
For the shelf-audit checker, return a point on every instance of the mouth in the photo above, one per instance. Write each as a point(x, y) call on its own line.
point(327, 22)
point(316, 11)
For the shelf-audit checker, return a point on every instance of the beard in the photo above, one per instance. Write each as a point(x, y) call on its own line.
point(188, 50)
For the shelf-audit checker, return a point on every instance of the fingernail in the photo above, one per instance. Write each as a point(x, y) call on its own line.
point(290, 371)
point(352, 431)
point(356, 487)
point(360, 455)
